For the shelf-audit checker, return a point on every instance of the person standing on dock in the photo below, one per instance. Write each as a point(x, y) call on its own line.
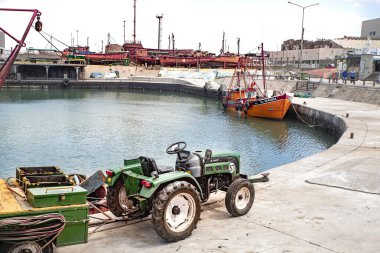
point(352, 76)
point(344, 76)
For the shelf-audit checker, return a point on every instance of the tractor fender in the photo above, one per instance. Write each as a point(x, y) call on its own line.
point(167, 178)
point(110, 181)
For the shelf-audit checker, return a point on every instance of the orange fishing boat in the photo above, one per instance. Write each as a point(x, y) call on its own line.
point(274, 107)
point(252, 100)
point(238, 91)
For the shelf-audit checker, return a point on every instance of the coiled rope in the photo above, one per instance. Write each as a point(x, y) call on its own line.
point(32, 228)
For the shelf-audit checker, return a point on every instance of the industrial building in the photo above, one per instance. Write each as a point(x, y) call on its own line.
point(316, 54)
point(371, 28)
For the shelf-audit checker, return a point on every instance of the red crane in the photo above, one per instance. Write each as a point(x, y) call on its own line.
point(6, 67)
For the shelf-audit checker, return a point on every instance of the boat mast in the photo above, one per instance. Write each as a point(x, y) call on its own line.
point(263, 64)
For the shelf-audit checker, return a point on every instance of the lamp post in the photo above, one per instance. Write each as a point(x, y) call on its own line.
point(77, 39)
point(303, 14)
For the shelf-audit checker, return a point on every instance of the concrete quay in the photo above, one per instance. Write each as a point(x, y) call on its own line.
point(328, 202)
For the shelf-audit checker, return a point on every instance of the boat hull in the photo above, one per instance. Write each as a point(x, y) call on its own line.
point(167, 61)
point(270, 108)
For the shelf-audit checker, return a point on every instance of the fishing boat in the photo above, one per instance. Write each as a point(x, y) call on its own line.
point(239, 90)
point(246, 96)
point(274, 107)
point(225, 61)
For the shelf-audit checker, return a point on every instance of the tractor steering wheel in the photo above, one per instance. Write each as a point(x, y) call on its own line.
point(175, 148)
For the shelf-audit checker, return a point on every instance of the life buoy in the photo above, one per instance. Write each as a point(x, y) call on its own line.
point(66, 82)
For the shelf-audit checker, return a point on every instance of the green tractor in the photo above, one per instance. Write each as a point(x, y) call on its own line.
point(173, 196)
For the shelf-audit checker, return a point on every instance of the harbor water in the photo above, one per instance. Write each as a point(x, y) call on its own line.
point(86, 130)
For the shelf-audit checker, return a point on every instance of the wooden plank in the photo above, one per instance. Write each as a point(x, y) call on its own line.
point(8, 203)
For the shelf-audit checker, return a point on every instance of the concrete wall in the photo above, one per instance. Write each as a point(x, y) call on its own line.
point(366, 66)
point(124, 71)
point(371, 26)
point(349, 93)
point(331, 123)
point(2, 39)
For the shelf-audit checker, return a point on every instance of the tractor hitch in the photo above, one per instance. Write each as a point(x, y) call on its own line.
point(264, 178)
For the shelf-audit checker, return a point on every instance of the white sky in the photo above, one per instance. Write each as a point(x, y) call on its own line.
point(191, 21)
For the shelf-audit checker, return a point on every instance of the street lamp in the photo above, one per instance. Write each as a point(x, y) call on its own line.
point(303, 13)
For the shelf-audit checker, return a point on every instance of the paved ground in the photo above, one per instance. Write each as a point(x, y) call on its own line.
point(328, 202)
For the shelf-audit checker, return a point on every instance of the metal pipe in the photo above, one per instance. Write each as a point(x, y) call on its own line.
point(124, 31)
point(263, 63)
point(134, 21)
point(6, 67)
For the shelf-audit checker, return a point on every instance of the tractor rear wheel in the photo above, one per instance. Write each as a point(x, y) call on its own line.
point(117, 198)
point(28, 247)
point(240, 196)
point(176, 211)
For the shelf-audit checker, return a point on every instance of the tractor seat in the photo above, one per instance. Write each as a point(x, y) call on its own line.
point(164, 169)
point(149, 165)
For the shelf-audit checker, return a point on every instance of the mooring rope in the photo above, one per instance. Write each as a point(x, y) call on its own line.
point(302, 120)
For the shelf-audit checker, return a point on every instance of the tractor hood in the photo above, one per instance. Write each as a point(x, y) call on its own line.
point(219, 154)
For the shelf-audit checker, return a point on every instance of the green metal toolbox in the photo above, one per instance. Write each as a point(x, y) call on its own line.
point(46, 181)
point(36, 171)
point(56, 196)
point(76, 228)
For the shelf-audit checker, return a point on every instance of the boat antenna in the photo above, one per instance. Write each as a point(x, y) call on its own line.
point(263, 64)
point(134, 21)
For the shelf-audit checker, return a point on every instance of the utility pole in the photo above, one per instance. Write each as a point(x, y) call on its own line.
point(222, 50)
point(77, 39)
point(102, 46)
point(238, 45)
point(302, 33)
point(169, 42)
point(173, 41)
point(88, 39)
point(124, 30)
point(159, 17)
point(134, 21)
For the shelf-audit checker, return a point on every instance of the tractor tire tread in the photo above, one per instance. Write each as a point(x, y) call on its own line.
point(231, 194)
point(158, 211)
point(112, 198)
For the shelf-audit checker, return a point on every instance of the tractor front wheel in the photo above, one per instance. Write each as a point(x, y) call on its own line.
point(176, 211)
point(240, 196)
point(117, 198)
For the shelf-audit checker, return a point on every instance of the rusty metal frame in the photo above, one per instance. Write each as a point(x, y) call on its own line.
point(6, 67)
